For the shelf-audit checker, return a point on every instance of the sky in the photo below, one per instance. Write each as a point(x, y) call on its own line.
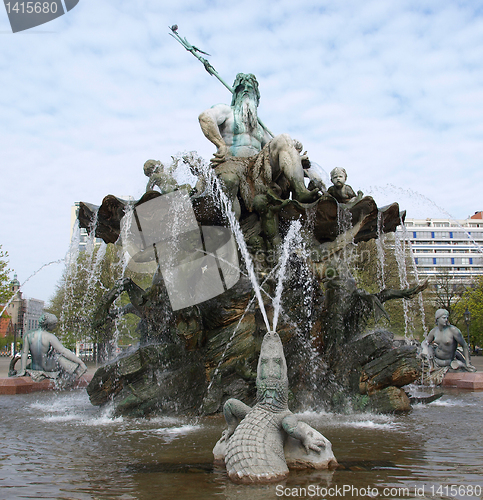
point(390, 90)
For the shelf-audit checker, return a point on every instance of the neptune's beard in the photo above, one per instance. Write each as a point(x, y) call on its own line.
point(245, 114)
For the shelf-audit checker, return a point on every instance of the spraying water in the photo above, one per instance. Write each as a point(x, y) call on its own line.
point(226, 206)
point(69, 277)
point(427, 202)
point(400, 254)
point(28, 279)
point(235, 330)
point(405, 236)
point(380, 251)
point(293, 235)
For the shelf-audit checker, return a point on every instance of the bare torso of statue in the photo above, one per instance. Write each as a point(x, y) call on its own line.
point(446, 344)
point(444, 340)
point(236, 132)
point(240, 140)
point(39, 345)
point(47, 352)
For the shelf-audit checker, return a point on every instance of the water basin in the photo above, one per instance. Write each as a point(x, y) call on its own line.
point(59, 446)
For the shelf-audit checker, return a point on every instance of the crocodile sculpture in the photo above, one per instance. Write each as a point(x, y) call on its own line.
point(253, 444)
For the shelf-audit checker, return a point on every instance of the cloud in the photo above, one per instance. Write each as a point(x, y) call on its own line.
point(392, 91)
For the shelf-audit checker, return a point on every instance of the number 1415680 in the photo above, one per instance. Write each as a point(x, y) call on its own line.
point(31, 7)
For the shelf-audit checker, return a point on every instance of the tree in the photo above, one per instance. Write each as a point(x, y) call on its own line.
point(448, 291)
point(6, 341)
point(473, 299)
point(387, 264)
point(85, 280)
point(5, 291)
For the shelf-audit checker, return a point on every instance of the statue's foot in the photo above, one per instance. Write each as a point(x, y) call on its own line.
point(307, 196)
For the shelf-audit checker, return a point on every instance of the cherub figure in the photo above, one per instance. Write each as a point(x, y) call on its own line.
point(341, 191)
point(155, 170)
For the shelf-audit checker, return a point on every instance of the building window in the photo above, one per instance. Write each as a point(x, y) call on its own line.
point(440, 234)
point(422, 234)
point(443, 261)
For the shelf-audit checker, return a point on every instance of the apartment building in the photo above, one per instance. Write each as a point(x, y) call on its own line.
point(447, 246)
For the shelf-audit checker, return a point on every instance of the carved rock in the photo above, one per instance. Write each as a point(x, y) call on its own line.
point(326, 223)
point(397, 367)
point(390, 400)
point(156, 378)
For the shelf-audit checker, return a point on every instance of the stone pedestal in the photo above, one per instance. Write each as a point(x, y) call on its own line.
point(464, 380)
point(25, 385)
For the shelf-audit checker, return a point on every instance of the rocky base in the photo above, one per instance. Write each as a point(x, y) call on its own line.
point(168, 379)
point(162, 379)
point(369, 374)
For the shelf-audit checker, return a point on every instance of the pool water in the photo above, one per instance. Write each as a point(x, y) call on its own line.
point(56, 445)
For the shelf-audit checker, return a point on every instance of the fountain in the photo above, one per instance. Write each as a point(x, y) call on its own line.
point(216, 336)
point(207, 319)
point(281, 253)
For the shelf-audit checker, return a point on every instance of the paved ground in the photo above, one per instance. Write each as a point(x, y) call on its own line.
point(478, 362)
point(5, 362)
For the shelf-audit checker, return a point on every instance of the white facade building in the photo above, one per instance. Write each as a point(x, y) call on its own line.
point(446, 246)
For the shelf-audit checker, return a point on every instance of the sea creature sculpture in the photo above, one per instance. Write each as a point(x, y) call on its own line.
point(253, 445)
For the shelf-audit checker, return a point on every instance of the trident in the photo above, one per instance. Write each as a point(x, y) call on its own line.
point(211, 70)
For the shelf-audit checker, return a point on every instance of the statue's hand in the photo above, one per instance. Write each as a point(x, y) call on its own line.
point(304, 158)
point(226, 434)
point(220, 155)
point(313, 443)
point(470, 367)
